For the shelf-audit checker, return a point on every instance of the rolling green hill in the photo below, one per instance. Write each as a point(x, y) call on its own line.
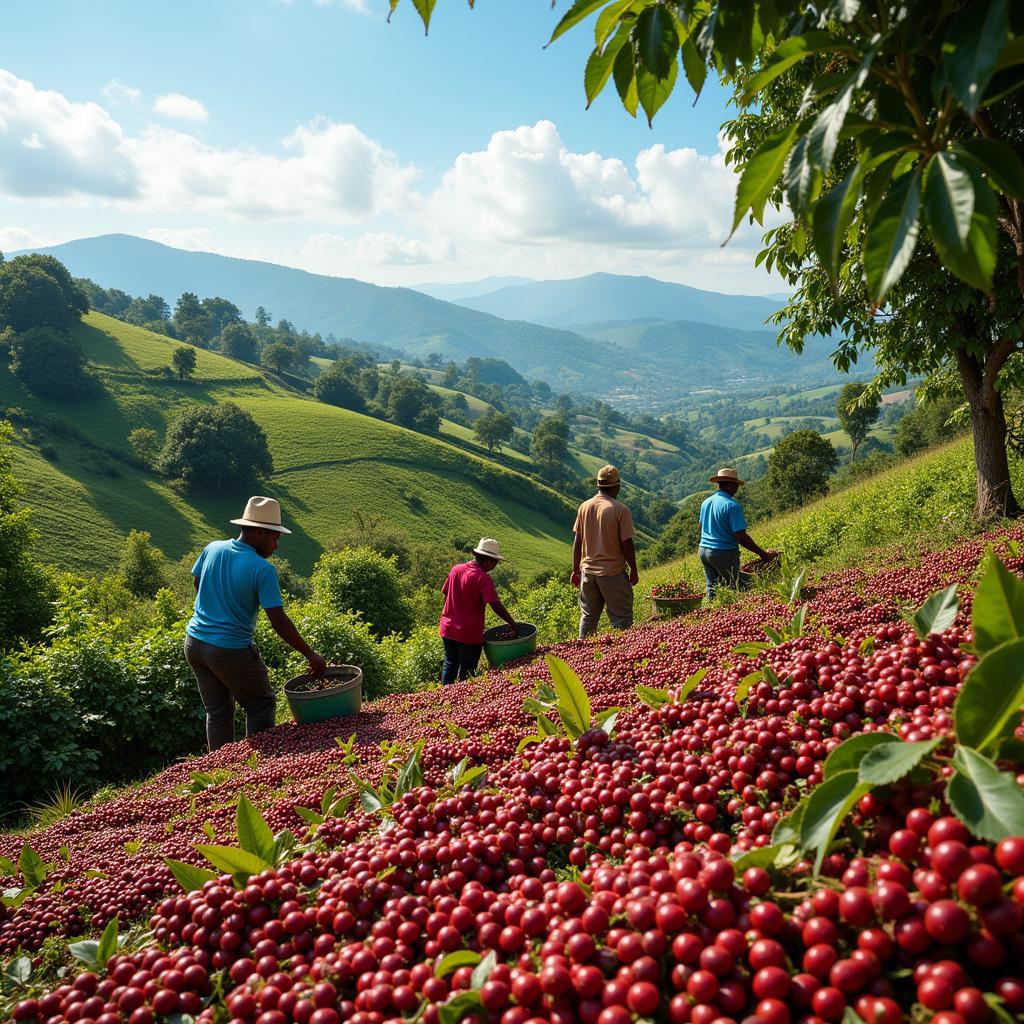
point(328, 463)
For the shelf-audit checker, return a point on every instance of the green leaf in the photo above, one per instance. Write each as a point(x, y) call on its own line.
point(482, 971)
point(950, 188)
point(32, 868)
point(599, 64)
point(573, 702)
point(611, 20)
point(654, 91)
point(691, 684)
point(1003, 166)
point(823, 137)
point(774, 635)
point(751, 649)
point(545, 727)
point(744, 685)
point(693, 66)
point(988, 705)
point(107, 945)
point(19, 970)
point(831, 219)
point(370, 800)
point(410, 776)
point(787, 829)
point(770, 677)
point(760, 175)
point(851, 1016)
point(657, 41)
point(788, 53)
point(971, 50)
point(309, 816)
point(471, 775)
point(528, 741)
point(758, 857)
point(459, 1007)
point(938, 613)
point(652, 697)
point(7, 867)
point(800, 178)
point(233, 860)
point(849, 754)
point(1011, 749)
point(85, 951)
point(827, 806)
point(892, 761)
point(624, 74)
point(580, 10)
point(989, 802)
point(451, 962)
point(254, 834)
point(607, 723)
point(892, 235)
point(997, 613)
point(425, 8)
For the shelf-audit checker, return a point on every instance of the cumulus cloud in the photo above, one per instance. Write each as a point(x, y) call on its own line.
point(526, 187)
point(329, 253)
point(330, 171)
point(184, 108)
point(13, 239)
point(51, 147)
point(193, 239)
point(117, 92)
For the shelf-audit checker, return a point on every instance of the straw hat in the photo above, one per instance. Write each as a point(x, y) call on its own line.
point(726, 475)
point(262, 513)
point(608, 476)
point(489, 548)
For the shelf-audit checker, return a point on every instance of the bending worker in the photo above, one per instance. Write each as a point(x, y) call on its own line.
point(723, 529)
point(468, 591)
point(233, 580)
point(602, 550)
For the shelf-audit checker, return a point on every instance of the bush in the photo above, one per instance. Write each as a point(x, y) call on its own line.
point(553, 608)
point(141, 565)
point(336, 386)
point(50, 364)
point(415, 663)
point(361, 580)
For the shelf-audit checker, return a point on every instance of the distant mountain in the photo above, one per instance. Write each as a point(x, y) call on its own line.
point(469, 289)
point(601, 297)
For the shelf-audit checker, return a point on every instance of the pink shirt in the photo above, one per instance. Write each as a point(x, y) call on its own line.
point(467, 593)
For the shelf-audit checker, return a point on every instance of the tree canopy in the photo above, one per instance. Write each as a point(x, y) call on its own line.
point(857, 409)
point(798, 470)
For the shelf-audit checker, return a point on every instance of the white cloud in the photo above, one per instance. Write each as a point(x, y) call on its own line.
point(331, 172)
point(117, 92)
point(184, 108)
point(327, 253)
point(51, 147)
point(12, 239)
point(193, 239)
point(359, 6)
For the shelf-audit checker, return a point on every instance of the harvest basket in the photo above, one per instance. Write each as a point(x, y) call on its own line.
point(669, 606)
point(499, 651)
point(337, 694)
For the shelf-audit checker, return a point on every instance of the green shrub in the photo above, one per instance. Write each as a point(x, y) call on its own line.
point(553, 608)
point(361, 580)
point(414, 663)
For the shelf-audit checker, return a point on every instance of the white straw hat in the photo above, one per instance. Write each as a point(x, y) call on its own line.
point(489, 548)
point(262, 513)
point(726, 475)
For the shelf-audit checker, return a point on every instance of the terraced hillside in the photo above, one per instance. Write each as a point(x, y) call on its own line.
point(328, 464)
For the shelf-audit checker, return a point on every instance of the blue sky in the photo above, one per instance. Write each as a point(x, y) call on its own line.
point(316, 134)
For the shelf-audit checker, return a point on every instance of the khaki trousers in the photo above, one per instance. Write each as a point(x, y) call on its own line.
point(596, 592)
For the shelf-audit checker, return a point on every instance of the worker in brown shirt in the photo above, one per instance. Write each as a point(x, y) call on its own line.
point(601, 552)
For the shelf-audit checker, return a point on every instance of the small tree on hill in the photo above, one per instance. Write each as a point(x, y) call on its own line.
point(145, 445)
point(336, 386)
point(49, 363)
point(493, 428)
point(214, 445)
point(278, 356)
point(798, 469)
point(191, 321)
point(183, 359)
point(238, 342)
point(361, 580)
point(857, 413)
point(141, 565)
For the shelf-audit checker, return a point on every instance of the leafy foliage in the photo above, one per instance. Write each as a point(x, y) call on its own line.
point(358, 579)
point(50, 364)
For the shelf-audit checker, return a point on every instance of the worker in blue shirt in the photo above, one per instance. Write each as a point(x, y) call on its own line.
point(723, 529)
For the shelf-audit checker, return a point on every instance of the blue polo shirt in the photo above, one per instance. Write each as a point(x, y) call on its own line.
point(721, 518)
point(234, 583)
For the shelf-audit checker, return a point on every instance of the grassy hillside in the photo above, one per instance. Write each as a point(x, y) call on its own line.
point(328, 464)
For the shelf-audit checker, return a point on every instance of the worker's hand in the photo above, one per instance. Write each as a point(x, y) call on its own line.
point(575, 579)
point(317, 665)
point(634, 577)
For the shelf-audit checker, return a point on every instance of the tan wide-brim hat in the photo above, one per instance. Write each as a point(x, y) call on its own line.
point(608, 476)
point(726, 475)
point(489, 548)
point(263, 514)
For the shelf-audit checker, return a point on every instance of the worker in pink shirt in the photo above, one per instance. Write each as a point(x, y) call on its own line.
point(468, 591)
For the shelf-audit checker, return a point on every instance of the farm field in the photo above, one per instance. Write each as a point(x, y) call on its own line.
point(370, 914)
point(328, 463)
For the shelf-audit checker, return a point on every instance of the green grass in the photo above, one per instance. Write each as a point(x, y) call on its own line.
point(328, 464)
point(927, 500)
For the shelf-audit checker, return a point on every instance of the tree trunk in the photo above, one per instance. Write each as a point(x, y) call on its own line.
point(988, 427)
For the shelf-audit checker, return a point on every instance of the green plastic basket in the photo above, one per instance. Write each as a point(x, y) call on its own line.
point(676, 605)
point(499, 651)
point(337, 701)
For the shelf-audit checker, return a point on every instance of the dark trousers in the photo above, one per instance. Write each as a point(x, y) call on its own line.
point(460, 660)
point(225, 675)
point(723, 567)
